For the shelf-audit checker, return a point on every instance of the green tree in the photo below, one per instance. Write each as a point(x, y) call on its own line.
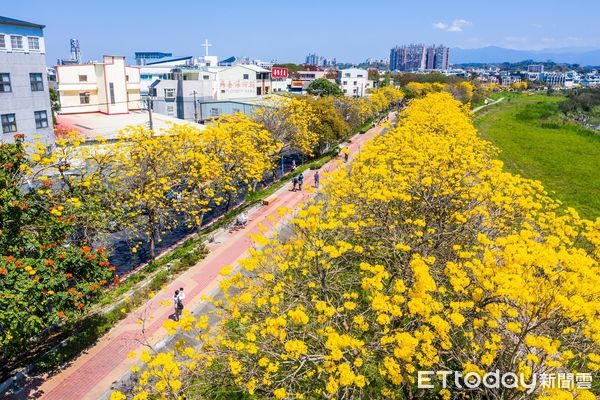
point(324, 87)
point(45, 280)
point(332, 127)
point(55, 103)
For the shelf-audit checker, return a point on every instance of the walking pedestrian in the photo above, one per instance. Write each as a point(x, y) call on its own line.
point(294, 183)
point(181, 294)
point(178, 305)
point(300, 181)
point(317, 177)
point(293, 168)
point(346, 155)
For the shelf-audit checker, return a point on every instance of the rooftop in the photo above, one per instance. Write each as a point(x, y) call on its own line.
point(95, 125)
point(18, 22)
point(169, 59)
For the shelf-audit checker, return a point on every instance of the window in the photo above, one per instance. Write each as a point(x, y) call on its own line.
point(205, 76)
point(359, 76)
point(355, 83)
point(214, 112)
point(84, 98)
point(34, 43)
point(37, 82)
point(111, 88)
point(127, 78)
point(16, 42)
point(169, 93)
point(170, 109)
point(246, 76)
point(2, 42)
point(222, 90)
point(82, 78)
point(41, 119)
point(345, 83)
point(9, 123)
point(5, 86)
point(236, 110)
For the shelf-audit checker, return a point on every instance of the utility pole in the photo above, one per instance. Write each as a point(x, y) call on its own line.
point(150, 113)
point(151, 94)
point(195, 109)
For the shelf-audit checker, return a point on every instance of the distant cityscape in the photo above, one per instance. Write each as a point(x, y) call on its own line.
point(94, 95)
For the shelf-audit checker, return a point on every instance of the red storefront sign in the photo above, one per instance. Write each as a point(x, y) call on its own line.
point(277, 72)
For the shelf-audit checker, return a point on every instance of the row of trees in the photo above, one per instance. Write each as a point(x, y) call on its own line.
point(56, 207)
point(425, 255)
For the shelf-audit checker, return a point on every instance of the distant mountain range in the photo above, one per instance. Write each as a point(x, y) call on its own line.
point(494, 54)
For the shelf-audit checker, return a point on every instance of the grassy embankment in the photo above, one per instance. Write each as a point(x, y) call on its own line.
point(538, 142)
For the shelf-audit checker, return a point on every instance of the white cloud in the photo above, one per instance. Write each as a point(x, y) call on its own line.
point(456, 26)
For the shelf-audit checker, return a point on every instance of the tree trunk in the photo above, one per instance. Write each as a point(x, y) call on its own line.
point(199, 226)
point(153, 235)
point(228, 201)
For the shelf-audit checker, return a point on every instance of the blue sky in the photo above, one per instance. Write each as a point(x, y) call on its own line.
point(287, 30)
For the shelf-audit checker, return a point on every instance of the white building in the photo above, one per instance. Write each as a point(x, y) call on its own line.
point(24, 99)
point(110, 87)
point(355, 82)
point(182, 91)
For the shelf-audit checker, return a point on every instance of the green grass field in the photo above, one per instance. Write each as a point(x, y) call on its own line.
point(537, 143)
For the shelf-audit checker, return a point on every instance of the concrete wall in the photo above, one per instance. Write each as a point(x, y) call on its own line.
point(22, 101)
point(232, 84)
point(205, 90)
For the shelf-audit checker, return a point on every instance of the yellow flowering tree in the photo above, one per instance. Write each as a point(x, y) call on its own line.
point(243, 151)
point(424, 255)
point(291, 121)
point(148, 178)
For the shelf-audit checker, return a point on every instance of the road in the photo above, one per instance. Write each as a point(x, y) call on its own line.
point(91, 374)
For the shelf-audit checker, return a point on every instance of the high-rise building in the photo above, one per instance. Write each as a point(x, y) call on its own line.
point(313, 59)
point(24, 99)
point(442, 58)
point(415, 57)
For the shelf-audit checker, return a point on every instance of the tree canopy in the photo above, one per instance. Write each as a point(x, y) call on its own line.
point(324, 87)
point(423, 255)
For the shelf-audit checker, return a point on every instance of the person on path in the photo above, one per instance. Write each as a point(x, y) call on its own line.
point(293, 168)
point(178, 305)
point(294, 183)
point(181, 294)
point(242, 219)
point(346, 155)
point(317, 177)
point(300, 181)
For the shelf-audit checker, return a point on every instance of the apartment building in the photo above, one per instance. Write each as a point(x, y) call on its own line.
point(355, 82)
point(418, 57)
point(109, 87)
point(24, 99)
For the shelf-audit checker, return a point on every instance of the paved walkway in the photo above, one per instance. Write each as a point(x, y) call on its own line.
point(487, 105)
point(91, 374)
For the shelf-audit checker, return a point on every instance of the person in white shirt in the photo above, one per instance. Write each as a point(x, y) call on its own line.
point(181, 294)
point(178, 305)
point(242, 219)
